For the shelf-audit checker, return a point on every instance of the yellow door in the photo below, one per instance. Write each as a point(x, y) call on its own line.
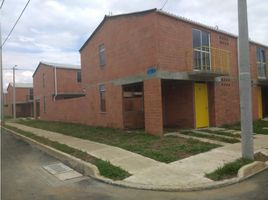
point(201, 105)
point(260, 114)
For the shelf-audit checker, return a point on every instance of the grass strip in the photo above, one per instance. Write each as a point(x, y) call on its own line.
point(163, 149)
point(229, 170)
point(106, 169)
point(212, 137)
point(220, 133)
point(257, 127)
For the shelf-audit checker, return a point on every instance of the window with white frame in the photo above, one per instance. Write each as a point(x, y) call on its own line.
point(261, 62)
point(201, 52)
point(102, 54)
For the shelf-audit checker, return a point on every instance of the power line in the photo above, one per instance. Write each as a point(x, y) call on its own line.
point(15, 23)
point(2, 4)
point(19, 69)
point(164, 5)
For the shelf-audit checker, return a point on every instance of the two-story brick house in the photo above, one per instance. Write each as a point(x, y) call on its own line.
point(24, 100)
point(153, 69)
point(55, 83)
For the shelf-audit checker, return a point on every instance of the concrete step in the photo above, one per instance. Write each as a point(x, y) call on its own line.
point(213, 134)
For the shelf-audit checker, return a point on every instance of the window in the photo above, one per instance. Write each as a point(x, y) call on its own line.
point(43, 80)
point(44, 104)
point(102, 54)
point(261, 62)
point(201, 53)
point(78, 76)
point(102, 98)
point(30, 94)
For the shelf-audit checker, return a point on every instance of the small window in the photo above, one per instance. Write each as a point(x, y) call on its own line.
point(261, 62)
point(102, 55)
point(102, 98)
point(44, 104)
point(43, 80)
point(78, 76)
point(30, 94)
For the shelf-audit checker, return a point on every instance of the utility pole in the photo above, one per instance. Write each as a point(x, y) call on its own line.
point(14, 93)
point(245, 82)
point(1, 73)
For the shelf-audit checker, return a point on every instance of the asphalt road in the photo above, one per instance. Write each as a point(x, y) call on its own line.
point(23, 178)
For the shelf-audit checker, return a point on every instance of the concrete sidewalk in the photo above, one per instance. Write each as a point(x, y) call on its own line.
point(185, 173)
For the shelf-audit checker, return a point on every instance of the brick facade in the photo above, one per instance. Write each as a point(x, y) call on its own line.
point(24, 101)
point(154, 49)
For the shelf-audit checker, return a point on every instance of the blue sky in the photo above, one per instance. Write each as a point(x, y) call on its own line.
point(54, 30)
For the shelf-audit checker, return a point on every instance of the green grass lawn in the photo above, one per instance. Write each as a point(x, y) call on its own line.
point(163, 149)
point(257, 127)
point(220, 133)
point(229, 170)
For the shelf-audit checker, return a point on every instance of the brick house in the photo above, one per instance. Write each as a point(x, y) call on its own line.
point(55, 85)
point(24, 100)
point(152, 69)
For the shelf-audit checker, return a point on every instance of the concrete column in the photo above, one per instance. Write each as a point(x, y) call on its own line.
point(153, 106)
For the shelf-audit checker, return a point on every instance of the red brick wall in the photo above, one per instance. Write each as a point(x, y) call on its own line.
point(153, 106)
point(69, 110)
point(67, 80)
point(129, 50)
point(21, 97)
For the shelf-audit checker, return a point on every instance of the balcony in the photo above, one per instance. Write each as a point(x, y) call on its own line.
point(207, 62)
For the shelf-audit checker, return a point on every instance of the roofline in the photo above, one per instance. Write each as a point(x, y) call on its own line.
point(216, 29)
point(112, 17)
point(48, 65)
point(169, 15)
point(10, 84)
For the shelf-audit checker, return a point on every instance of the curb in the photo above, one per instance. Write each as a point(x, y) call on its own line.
point(92, 171)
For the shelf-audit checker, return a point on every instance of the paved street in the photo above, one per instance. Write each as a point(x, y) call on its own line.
point(24, 178)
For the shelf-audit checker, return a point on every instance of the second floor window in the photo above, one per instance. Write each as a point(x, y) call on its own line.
point(102, 55)
point(43, 80)
point(261, 62)
point(78, 76)
point(201, 50)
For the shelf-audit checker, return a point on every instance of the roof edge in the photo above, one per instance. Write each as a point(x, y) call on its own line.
point(54, 65)
point(111, 17)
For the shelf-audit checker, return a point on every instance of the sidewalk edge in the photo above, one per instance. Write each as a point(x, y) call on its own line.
point(91, 170)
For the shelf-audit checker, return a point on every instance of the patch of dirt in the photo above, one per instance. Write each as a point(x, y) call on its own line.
point(260, 157)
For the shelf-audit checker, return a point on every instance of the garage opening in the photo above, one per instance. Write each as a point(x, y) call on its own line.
point(133, 106)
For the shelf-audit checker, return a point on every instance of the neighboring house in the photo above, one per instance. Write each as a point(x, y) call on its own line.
point(5, 103)
point(152, 69)
point(24, 100)
point(55, 83)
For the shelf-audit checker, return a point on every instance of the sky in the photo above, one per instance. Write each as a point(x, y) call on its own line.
point(54, 30)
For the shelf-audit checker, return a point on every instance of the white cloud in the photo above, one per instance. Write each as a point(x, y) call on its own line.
point(54, 30)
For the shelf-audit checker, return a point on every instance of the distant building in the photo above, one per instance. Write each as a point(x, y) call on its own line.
point(24, 100)
point(55, 82)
